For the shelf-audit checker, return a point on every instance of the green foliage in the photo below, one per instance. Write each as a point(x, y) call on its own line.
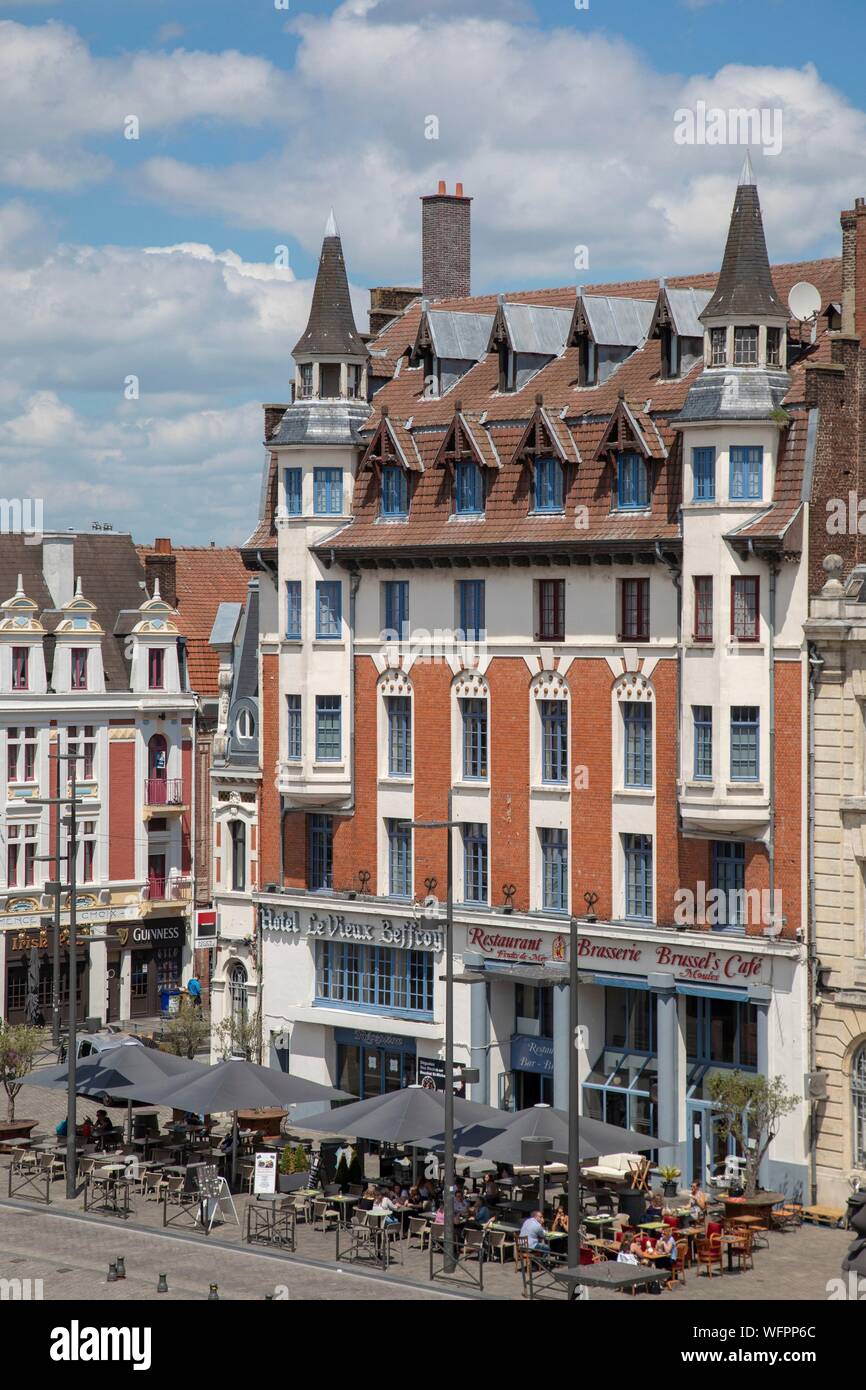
point(19, 1044)
point(239, 1036)
point(187, 1030)
point(669, 1174)
point(750, 1107)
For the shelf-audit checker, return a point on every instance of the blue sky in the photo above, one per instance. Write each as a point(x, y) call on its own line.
point(154, 258)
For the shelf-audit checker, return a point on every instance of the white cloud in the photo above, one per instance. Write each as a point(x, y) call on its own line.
point(547, 171)
point(55, 95)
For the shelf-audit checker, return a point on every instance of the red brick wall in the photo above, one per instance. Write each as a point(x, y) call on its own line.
point(121, 809)
point(509, 681)
point(590, 683)
point(432, 687)
point(355, 836)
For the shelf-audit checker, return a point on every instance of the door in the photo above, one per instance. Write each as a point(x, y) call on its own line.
point(157, 767)
point(708, 1147)
point(139, 981)
point(113, 1006)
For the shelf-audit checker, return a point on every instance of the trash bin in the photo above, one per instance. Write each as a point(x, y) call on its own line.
point(855, 1202)
point(169, 1002)
point(633, 1203)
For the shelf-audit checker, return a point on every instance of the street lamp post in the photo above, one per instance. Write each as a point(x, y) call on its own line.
point(450, 825)
point(573, 1096)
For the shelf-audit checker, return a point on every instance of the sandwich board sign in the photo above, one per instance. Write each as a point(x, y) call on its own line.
point(265, 1176)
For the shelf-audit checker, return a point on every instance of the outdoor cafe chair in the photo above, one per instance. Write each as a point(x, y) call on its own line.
point(498, 1243)
point(86, 1165)
point(741, 1249)
point(420, 1229)
point(678, 1268)
point(53, 1163)
point(709, 1252)
point(174, 1187)
point(303, 1208)
point(332, 1189)
point(474, 1243)
point(153, 1184)
point(327, 1215)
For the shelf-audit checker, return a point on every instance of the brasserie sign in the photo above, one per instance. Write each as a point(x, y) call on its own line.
point(405, 933)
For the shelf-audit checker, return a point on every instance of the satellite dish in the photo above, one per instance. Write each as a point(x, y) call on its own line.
point(804, 301)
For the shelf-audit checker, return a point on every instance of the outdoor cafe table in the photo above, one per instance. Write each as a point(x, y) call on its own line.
point(759, 1205)
point(346, 1201)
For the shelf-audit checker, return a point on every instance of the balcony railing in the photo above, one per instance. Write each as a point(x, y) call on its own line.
point(164, 791)
point(168, 890)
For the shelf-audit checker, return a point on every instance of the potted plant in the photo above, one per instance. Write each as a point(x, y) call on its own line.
point(19, 1044)
point(294, 1172)
point(669, 1181)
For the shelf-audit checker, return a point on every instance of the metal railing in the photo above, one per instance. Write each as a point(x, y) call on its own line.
point(158, 890)
point(163, 791)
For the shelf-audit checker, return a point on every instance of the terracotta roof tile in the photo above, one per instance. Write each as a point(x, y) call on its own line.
point(206, 576)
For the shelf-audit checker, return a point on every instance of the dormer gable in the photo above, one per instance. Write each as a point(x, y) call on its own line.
point(526, 337)
point(447, 345)
point(22, 660)
point(77, 665)
point(155, 644)
point(676, 323)
point(607, 329)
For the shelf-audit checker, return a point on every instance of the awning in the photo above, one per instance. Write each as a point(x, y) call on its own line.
point(620, 981)
point(527, 974)
point(708, 992)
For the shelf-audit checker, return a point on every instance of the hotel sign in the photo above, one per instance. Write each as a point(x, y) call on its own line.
point(405, 933)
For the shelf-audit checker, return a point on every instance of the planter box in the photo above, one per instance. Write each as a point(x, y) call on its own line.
point(15, 1129)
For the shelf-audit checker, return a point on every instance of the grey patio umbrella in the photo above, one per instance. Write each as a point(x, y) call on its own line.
point(236, 1084)
point(120, 1073)
point(398, 1117)
point(595, 1139)
point(32, 1008)
point(499, 1139)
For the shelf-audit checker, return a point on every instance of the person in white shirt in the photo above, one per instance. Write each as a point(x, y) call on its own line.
point(533, 1231)
point(629, 1256)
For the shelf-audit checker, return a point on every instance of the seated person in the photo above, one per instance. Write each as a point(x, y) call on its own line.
point(439, 1218)
point(668, 1245)
point(655, 1208)
point(629, 1254)
point(560, 1220)
point(370, 1193)
point(491, 1188)
point(61, 1130)
point(384, 1206)
point(226, 1143)
point(533, 1231)
point(698, 1201)
point(479, 1214)
point(461, 1206)
point(102, 1123)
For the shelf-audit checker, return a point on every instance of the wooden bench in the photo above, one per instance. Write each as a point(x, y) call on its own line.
point(824, 1216)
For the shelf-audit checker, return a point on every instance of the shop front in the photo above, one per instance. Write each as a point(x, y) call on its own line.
point(151, 955)
point(29, 976)
point(371, 1064)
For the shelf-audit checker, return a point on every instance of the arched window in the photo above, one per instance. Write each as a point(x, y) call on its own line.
point(238, 979)
point(858, 1095)
point(246, 725)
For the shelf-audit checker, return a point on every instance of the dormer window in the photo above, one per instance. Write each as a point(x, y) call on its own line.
point(548, 486)
point(20, 668)
point(395, 491)
point(746, 347)
point(78, 659)
point(155, 668)
point(354, 377)
point(747, 466)
point(246, 726)
point(774, 347)
point(632, 483)
point(305, 380)
point(468, 489)
point(718, 347)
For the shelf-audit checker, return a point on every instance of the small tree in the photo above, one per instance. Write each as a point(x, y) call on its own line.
point(287, 1160)
point(187, 1030)
point(238, 1035)
point(18, 1047)
point(302, 1163)
point(750, 1107)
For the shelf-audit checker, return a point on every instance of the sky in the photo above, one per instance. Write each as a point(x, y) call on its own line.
point(167, 168)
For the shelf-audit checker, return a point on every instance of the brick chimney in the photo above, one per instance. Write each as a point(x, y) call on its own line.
point(445, 243)
point(854, 271)
point(161, 564)
point(273, 416)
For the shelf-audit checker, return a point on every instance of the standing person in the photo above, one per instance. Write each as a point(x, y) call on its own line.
point(698, 1201)
point(193, 989)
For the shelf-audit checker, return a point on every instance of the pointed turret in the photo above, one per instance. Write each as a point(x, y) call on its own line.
point(331, 331)
point(745, 287)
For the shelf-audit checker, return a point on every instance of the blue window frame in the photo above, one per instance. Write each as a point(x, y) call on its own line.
point(380, 979)
point(548, 486)
point(729, 877)
point(474, 713)
point(292, 479)
point(293, 610)
point(747, 468)
point(702, 720)
point(328, 491)
point(399, 859)
point(321, 852)
point(704, 474)
point(554, 870)
point(399, 710)
point(632, 483)
point(295, 744)
point(638, 876)
point(475, 863)
point(468, 489)
point(396, 604)
point(329, 609)
point(395, 491)
point(745, 757)
point(471, 608)
point(329, 728)
point(554, 740)
point(638, 728)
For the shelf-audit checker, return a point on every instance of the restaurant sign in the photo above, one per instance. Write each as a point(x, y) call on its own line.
point(532, 1054)
point(513, 944)
point(712, 966)
point(406, 933)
